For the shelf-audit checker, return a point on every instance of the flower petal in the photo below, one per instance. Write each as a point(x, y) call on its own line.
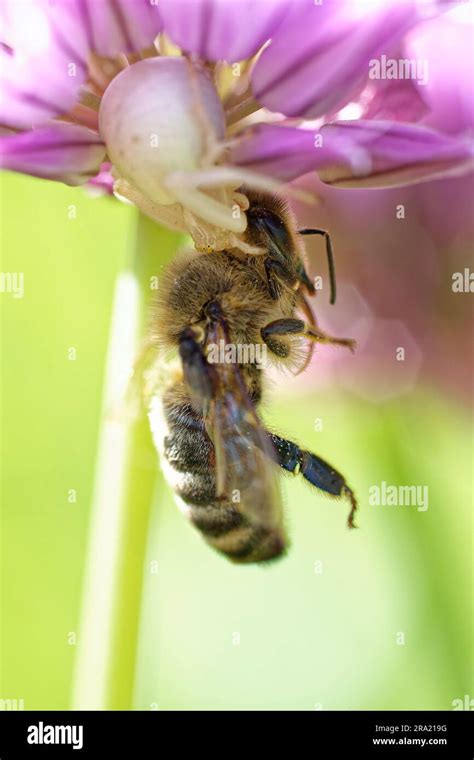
point(64, 152)
point(445, 43)
point(39, 78)
point(103, 182)
point(320, 56)
point(46, 49)
point(397, 99)
point(229, 30)
point(281, 152)
point(106, 27)
point(352, 153)
point(117, 26)
point(383, 154)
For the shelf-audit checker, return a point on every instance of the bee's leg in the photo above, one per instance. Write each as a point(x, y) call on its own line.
point(330, 257)
point(318, 336)
point(314, 469)
point(281, 327)
point(304, 279)
point(277, 277)
point(297, 327)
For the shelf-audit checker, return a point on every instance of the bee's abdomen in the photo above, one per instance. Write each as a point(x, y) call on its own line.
point(228, 531)
point(188, 462)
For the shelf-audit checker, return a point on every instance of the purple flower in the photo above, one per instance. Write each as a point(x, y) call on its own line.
point(395, 273)
point(183, 101)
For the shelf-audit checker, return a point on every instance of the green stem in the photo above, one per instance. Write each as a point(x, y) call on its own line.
point(126, 471)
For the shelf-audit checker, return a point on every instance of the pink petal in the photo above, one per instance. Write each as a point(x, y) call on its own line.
point(383, 154)
point(446, 44)
point(281, 152)
point(229, 30)
point(106, 27)
point(60, 151)
point(320, 55)
point(47, 45)
point(352, 153)
point(117, 26)
point(103, 182)
point(39, 78)
point(25, 103)
point(396, 99)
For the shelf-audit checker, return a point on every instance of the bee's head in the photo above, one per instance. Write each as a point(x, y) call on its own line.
point(271, 226)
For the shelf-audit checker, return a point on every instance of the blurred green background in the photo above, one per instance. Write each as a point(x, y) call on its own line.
point(379, 618)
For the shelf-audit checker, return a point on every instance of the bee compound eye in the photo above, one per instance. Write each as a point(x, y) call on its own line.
point(212, 310)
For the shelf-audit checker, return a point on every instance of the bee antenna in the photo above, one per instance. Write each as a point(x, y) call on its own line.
point(330, 258)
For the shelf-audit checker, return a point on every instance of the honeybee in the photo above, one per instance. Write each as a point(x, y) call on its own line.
point(217, 456)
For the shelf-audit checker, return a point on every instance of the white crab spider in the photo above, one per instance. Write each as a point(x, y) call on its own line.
point(164, 127)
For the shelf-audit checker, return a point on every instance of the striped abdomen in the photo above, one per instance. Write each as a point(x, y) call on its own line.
point(188, 462)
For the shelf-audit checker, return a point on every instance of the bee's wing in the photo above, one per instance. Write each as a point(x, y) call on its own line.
point(245, 469)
